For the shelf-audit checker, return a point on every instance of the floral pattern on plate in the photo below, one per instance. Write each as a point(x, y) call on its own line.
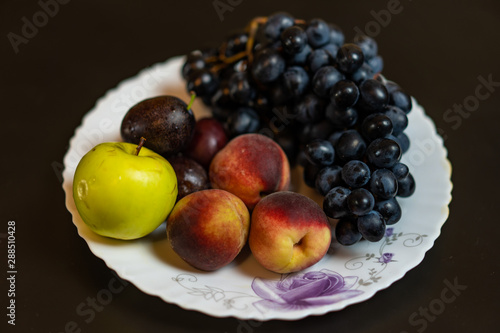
point(302, 290)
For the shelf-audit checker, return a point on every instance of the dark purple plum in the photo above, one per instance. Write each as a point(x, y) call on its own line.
point(164, 121)
point(191, 176)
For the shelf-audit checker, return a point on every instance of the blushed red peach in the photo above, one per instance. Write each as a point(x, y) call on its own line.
point(288, 232)
point(250, 166)
point(208, 228)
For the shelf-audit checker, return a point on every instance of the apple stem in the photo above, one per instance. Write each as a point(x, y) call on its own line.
point(193, 97)
point(141, 143)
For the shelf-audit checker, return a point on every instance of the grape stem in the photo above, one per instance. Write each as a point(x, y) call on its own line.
point(193, 97)
point(141, 143)
point(252, 31)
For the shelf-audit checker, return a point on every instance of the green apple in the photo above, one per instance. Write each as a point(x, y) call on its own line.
point(124, 191)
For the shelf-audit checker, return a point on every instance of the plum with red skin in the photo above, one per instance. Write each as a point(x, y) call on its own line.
point(191, 176)
point(208, 138)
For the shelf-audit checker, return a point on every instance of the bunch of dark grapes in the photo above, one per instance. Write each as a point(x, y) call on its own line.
point(324, 101)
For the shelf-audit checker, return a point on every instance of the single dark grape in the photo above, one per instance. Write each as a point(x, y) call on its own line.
point(398, 97)
point(240, 89)
point(202, 82)
point(222, 97)
point(328, 178)
point(400, 170)
point(276, 24)
point(403, 141)
point(324, 79)
point(295, 80)
point(344, 94)
point(267, 66)
point(398, 118)
point(341, 118)
point(406, 186)
point(332, 50)
point(383, 153)
point(390, 210)
point(392, 86)
point(320, 152)
point(376, 125)
point(336, 35)
point(243, 120)
point(355, 173)
point(372, 226)
point(392, 137)
point(364, 72)
point(293, 39)
point(309, 109)
point(376, 64)
point(401, 99)
point(335, 202)
point(261, 42)
point(301, 57)
point(318, 33)
point(373, 95)
point(367, 44)
point(349, 58)
point(317, 59)
point(360, 201)
point(346, 231)
point(194, 61)
point(383, 184)
point(350, 146)
point(235, 44)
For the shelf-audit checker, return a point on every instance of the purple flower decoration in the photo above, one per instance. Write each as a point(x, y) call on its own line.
point(389, 232)
point(302, 290)
point(386, 258)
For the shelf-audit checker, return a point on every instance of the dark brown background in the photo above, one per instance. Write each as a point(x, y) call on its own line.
point(436, 50)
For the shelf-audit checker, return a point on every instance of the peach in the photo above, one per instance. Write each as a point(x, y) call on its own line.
point(208, 228)
point(250, 166)
point(288, 232)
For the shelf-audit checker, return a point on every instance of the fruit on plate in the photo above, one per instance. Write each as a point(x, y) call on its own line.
point(166, 122)
point(208, 228)
point(124, 191)
point(250, 166)
point(289, 232)
point(303, 77)
point(191, 176)
point(209, 137)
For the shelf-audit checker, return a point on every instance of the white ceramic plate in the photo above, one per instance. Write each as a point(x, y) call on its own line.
point(244, 289)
